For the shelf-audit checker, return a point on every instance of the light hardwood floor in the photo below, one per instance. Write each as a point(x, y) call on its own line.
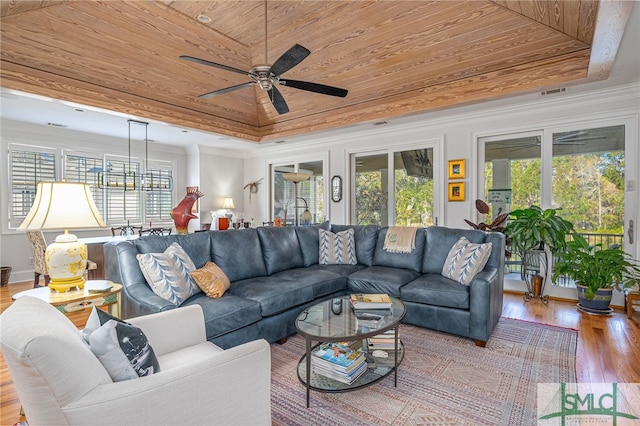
point(608, 347)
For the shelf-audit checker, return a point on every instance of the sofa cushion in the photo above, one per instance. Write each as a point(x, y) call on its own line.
point(323, 281)
point(309, 242)
point(434, 289)
point(238, 253)
point(366, 237)
point(122, 348)
point(274, 294)
point(465, 260)
point(439, 241)
point(280, 248)
point(225, 314)
point(411, 260)
point(168, 273)
point(211, 279)
point(197, 246)
point(338, 248)
point(380, 279)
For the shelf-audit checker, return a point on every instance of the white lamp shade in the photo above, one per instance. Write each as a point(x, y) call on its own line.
point(228, 203)
point(62, 205)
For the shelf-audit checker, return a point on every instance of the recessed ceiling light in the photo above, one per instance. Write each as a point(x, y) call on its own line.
point(279, 141)
point(204, 19)
point(380, 123)
point(185, 131)
point(78, 109)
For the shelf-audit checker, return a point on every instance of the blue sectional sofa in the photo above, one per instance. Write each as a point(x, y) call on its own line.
point(275, 275)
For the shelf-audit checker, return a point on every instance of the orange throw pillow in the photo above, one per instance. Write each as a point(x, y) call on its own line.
point(211, 280)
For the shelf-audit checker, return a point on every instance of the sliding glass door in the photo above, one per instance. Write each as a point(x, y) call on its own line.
point(404, 197)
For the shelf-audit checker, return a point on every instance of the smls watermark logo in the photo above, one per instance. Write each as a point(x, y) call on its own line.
point(563, 404)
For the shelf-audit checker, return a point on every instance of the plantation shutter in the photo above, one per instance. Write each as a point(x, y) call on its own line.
point(123, 207)
point(159, 203)
point(27, 167)
point(78, 168)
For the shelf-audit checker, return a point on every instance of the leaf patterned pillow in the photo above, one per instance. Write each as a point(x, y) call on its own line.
point(465, 260)
point(337, 249)
point(168, 273)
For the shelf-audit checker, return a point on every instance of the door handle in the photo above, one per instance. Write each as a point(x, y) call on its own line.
point(630, 231)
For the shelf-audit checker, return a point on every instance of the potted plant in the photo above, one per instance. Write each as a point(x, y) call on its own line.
point(497, 225)
point(536, 234)
point(596, 272)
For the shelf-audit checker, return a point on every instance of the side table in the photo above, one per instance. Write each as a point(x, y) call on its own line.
point(631, 298)
point(77, 300)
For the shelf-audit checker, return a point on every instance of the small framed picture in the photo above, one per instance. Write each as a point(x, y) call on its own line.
point(456, 191)
point(456, 169)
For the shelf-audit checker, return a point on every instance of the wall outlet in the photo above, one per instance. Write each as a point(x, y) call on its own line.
point(31, 261)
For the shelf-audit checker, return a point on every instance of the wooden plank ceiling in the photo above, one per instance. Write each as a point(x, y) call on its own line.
point(395, 57)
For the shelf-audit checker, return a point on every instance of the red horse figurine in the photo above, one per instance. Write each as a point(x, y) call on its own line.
point(181, 214)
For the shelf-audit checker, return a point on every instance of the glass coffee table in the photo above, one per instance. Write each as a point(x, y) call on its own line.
point(335, 321)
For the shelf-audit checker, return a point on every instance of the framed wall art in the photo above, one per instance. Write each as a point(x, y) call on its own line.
point(456, 191)
point(457, 169)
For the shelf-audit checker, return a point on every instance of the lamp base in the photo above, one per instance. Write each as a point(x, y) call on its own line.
point(66, 260)
point(62, 285)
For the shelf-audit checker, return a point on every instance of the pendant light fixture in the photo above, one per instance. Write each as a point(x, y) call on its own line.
point(130, 180)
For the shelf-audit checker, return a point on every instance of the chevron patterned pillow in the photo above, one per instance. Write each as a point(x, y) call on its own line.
point(337, 249)
point(465, 260)
point(168, 273)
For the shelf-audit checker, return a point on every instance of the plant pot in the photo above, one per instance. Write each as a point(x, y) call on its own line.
point(600, 301)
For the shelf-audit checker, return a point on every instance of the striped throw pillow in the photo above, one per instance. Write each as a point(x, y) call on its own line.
point(465, 260)
point(337, 249)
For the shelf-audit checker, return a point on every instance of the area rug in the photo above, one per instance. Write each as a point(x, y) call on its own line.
point(443, 380)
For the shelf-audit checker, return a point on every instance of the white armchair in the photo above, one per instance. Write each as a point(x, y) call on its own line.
point(60, 381)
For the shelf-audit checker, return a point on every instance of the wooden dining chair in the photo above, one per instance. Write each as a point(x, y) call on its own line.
point(155, 231)
point(122, 230)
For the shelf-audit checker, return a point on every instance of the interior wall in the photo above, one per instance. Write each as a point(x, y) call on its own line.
point(459, 130)
point(15, 250)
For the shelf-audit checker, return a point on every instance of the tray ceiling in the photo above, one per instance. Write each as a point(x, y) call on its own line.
point(396, 58)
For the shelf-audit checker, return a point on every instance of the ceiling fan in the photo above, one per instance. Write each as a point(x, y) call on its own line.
point(269, 76)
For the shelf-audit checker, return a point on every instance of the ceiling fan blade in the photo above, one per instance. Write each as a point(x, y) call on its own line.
point(278, 101)
point(289, 59)
point(315, 87)
point(227, 90)
point(213, 64)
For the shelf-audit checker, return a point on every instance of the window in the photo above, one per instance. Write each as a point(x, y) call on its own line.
point(290, 201)
point(404, 197)
point(28, 166)
point(123, 206)
point(85, 168)
point(31, 164)
point(158, 204)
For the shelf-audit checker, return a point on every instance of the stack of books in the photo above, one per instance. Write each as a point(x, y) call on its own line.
point(369, 319)
point(385, 341)
point(338, 361)
point(370, 301)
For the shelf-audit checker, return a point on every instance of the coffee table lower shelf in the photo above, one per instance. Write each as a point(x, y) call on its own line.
point(376, 371)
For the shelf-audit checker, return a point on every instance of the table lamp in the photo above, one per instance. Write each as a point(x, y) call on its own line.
point(64, 205)
point(228, 204)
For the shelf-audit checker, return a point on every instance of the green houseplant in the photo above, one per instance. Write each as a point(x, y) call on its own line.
point(596, 271)
point(536, 234)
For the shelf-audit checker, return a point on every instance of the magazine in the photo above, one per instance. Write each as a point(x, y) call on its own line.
point(370, 301)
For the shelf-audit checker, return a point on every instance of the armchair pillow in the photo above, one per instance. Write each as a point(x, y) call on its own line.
point(337, 249)
point(168, 273)
point(212, 280)
point(465, 260)
point(122, 348)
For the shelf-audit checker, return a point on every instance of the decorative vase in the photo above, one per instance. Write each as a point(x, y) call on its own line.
point(600, 301)
point(181, 214)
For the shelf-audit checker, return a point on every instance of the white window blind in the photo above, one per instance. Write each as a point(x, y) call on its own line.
point(27, 166)
point(81, 168)
point(123, 206)
point(158, 204)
